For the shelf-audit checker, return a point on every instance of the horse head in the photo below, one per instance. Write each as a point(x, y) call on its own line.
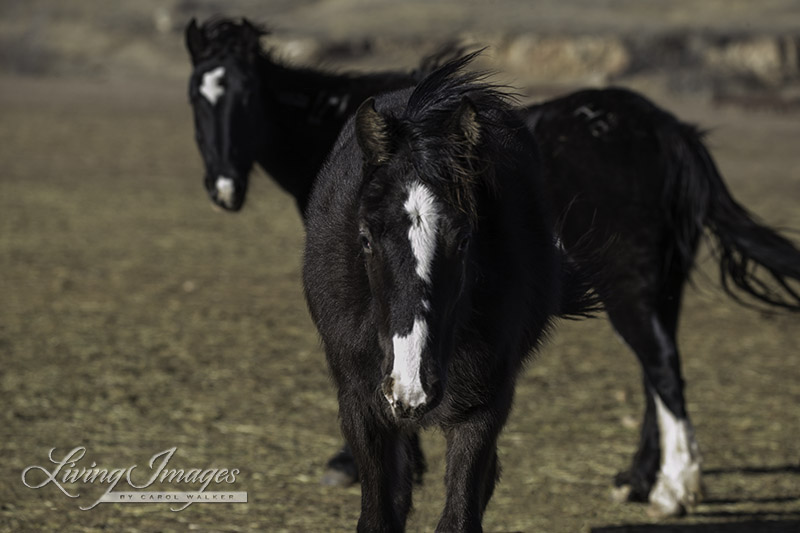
point(416, 223)
point(225, 94)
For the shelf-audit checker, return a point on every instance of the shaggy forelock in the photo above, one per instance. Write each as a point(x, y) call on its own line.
point(228, 36)
point(441, 160)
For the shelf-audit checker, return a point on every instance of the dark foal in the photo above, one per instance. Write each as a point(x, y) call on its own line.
point(431, 271)
point(620, 172)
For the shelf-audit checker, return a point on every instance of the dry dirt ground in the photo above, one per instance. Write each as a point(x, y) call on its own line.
point(134, 319)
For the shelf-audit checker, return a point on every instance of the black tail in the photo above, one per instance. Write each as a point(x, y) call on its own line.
point(582, 281)
point(752, 257)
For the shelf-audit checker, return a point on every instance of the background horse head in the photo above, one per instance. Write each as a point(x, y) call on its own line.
point(225, 91)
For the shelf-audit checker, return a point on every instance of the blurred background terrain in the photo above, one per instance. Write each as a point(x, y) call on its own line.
point(721, 46)
point(133, 318)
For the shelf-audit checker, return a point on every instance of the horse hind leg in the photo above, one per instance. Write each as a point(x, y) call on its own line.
point(678, 485)
point(634, 484)
point(675, 485)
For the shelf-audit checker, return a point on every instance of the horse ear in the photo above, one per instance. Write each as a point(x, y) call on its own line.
point(372, 132)
point(254, 29)
point(253, 32)
point(195, 40)
point(464, 123)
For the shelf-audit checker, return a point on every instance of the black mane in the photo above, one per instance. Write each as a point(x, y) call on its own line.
point(242, 39)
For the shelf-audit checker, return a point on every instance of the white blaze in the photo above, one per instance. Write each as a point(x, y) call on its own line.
point(407, 387)
point(421, 209)
point(211, 88)
point(407, 382)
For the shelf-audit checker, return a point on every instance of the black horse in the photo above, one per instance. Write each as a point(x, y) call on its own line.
point(622, 174)
point(431, 271)
point(629, 178)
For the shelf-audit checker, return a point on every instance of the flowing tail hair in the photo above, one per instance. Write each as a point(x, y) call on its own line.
point(754, 259)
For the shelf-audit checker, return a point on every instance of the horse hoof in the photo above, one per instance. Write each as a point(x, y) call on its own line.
point(630, 487)
point(621, 494)
point(341, 470)
point(334, 477)
point(675, 495)
point(671, 509)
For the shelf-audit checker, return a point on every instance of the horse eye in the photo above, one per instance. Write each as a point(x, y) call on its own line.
point(366, 245)
point(462, 245)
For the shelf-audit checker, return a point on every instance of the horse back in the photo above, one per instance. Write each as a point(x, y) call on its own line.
point(607, 159)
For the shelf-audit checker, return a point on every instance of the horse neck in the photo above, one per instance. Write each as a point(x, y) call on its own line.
point(306, 110)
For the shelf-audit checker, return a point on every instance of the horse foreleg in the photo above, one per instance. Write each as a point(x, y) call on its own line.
point(471, 474)
point(384, 464)
point(342, 470)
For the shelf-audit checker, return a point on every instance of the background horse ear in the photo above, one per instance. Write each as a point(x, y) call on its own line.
point(372, 133)
point(195, 40)
point(253, 33)
point(252, 28)
point(464, 125)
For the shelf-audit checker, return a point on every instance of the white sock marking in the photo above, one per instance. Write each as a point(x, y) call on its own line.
point(211, 88)
point(407, 388)
point(225, 190)
point(424, 215)
point(678, 481)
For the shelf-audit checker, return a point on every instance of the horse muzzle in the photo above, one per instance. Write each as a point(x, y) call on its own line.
point(226, 192)
point(410, 400)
